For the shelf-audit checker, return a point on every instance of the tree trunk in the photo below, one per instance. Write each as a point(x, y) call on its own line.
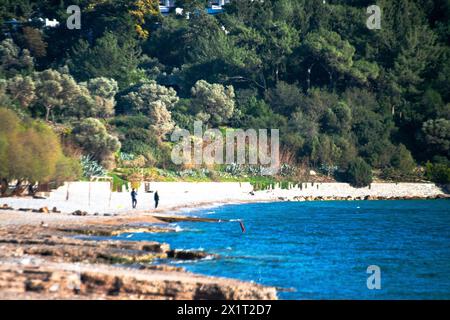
point(47, 113)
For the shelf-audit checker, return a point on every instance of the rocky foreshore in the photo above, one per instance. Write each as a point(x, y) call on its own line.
point(365, 198)
point(59, 260)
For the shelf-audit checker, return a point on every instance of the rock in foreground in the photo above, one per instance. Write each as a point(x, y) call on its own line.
point(48, 262)
point(83, 281)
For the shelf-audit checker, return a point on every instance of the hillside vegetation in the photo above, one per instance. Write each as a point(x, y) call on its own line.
point(350, 103)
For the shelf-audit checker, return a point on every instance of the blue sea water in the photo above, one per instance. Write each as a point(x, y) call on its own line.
point(323, 249)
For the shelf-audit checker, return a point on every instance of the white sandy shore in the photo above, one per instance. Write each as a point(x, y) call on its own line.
point(95, 197)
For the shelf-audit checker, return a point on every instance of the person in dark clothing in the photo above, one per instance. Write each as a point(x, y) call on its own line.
point(156, 197)
point(31, 189)
point(134, 198)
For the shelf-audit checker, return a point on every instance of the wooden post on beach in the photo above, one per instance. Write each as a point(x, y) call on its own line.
point(67, 193)
point(111, 185)
point(89, 195)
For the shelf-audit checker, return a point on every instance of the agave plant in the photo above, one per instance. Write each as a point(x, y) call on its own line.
point(234, 169)
point(91, 167)
point(287, 170)
point(126, 156)
point(329, 170)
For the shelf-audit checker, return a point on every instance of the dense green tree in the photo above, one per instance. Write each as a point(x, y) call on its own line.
point(54, 90)
point(30, 152)
point(103, 91)
point(34, 42)
point(439, 172)
point(284, 98)
point(215, 102)
point(417, 54)
point(155, 101)
point(136, 137)
point(22, 89)
point(437, 136)
point(109, 57)
point(337, 55)
point(13, 59)
point(402, 160)
point(92, 137)
point(359, 173)
point(337, 119)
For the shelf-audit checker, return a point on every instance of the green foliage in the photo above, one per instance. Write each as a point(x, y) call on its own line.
point(338, 55)
point(55, 90)
point(31, 151)
point(215, 102)
point(437, 136)
point(91, 136)
point(155, 101)
point(91, 167)
point(22, 89)
point(418, 52)
point(359, 173)
point(137, 138)
point(337, 119)
point(68, 169)
point(331, 48)
point(103, 92)
point(109, 57)
point(13, 59)
point(284, 98)
point(439, 172)
point(335, 89)
point(402, 160)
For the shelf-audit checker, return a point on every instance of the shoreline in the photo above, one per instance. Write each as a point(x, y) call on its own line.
point(96, 198)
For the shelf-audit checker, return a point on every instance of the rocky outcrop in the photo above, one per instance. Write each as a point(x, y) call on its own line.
point(171, 219)
point(189, 255)
point(70, 281)
point(42, 262)
point(366, 198)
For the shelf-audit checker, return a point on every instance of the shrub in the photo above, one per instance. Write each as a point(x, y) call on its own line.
point(402, 160)
point(91, 168)
point(67, 169)
point(438, 173)
point(30, 152)
point(91, 135)
point(359, 173)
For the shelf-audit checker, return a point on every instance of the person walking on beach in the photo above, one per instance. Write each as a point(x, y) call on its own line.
point(134, 198)
point(156, 197)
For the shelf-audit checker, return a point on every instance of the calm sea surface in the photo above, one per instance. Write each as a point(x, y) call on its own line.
point(323, 249)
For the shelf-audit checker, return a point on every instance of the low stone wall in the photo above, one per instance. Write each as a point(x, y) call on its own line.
point(381, 190)
point(95, 197)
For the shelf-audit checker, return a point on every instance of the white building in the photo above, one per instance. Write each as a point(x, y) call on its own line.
point(165, 6)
